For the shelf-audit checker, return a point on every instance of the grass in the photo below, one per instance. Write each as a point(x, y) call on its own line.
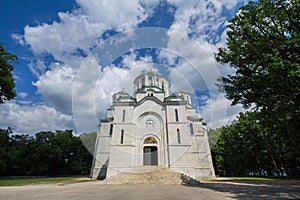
point(265, 180)
point(254, 179)
point(38, 181)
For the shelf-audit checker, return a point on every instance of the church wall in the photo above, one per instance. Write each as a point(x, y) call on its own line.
point(118, 114)
point(191, 112)
point(120, 158)
point(150, 107)
point(194, 160)
point(110, 113)
point(181, 111)
point(104, 129)
point(153, 112)
point(102, 152)
point(183, 138)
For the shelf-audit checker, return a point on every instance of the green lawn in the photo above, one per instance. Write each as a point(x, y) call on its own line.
point(37, 181)
point(259, 179)
point(254, 179)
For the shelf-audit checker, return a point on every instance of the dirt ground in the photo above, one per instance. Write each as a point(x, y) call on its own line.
point(208, 190)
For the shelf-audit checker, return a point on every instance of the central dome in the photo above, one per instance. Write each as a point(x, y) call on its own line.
point(151, 79)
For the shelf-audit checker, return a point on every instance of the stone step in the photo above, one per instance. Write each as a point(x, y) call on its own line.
point(151, 175)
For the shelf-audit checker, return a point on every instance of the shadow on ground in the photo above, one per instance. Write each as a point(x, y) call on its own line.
point(258, 190)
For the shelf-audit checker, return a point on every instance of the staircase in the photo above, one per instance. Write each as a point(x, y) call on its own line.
point(151, 175)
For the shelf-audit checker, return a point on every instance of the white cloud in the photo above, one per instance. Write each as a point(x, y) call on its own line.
point(195, 35)
point(22, 94)
point(193, 56)
point(64, 39)
point(116, 14)
point(56, 87)
point(218, 111)
point(30, 119)
point(202, 18)
point(68, 40)
point(37, 67)
point(77, 31)
point(83, 95)
point(115, 79)
point(192, 62)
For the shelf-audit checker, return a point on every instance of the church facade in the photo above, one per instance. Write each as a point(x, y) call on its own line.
point(152, 128)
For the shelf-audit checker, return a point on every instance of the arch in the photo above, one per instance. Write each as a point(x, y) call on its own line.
point(150, 140)
point(150, 155)
point(191, 129)
point(150, 81)
point(150, 113)
point(122, 137)
point(150, 150)
point(123, 116)
point(111, 129)
point(176, 115)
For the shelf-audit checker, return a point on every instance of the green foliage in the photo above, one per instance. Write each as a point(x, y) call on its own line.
point(216, 144)
point(246, 148)
point(7, 84)
point(48, 153)
point(263, 48)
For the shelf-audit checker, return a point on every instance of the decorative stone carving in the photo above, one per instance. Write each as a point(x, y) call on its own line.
point(150, 123)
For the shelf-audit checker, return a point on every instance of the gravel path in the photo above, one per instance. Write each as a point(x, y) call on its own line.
point(97, 190)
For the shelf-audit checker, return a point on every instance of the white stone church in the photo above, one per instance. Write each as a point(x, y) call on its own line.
point(152, 128)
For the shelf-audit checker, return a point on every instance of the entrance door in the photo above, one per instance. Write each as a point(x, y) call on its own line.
point(150, 155)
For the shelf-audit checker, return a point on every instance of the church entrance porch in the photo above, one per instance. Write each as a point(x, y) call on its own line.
point(150, 156)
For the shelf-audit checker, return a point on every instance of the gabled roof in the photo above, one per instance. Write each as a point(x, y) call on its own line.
point(155, 89)
point(174, 97)
point(123, 92)
point(125, 99)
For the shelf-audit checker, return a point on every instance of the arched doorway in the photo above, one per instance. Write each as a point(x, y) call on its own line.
point(150, 153)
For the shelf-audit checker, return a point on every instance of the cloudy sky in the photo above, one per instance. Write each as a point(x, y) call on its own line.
point(73, 55)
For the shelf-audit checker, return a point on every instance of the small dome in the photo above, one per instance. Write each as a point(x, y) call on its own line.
point(122, 96)
point(151, 79)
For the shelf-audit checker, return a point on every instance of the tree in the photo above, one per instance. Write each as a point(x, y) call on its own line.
point(216, 143)
point(246, 148)
point(263, 47)
point(7, 84)
point(46, 153)
point(6, 156)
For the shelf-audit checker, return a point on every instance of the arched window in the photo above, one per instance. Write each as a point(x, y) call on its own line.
point(143, 82)
point(191, 129)
point(138, 85)
point(111, 129)
point(162, 86)
point(178, 136)
point(122, 137)
point(150, 140)
point(150, 81)
point(176, 115)
point(123, 119)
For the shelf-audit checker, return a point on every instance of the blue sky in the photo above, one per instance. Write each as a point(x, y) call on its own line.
point(73, 55)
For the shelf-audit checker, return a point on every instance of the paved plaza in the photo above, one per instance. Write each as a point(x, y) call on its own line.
point(206, 190)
